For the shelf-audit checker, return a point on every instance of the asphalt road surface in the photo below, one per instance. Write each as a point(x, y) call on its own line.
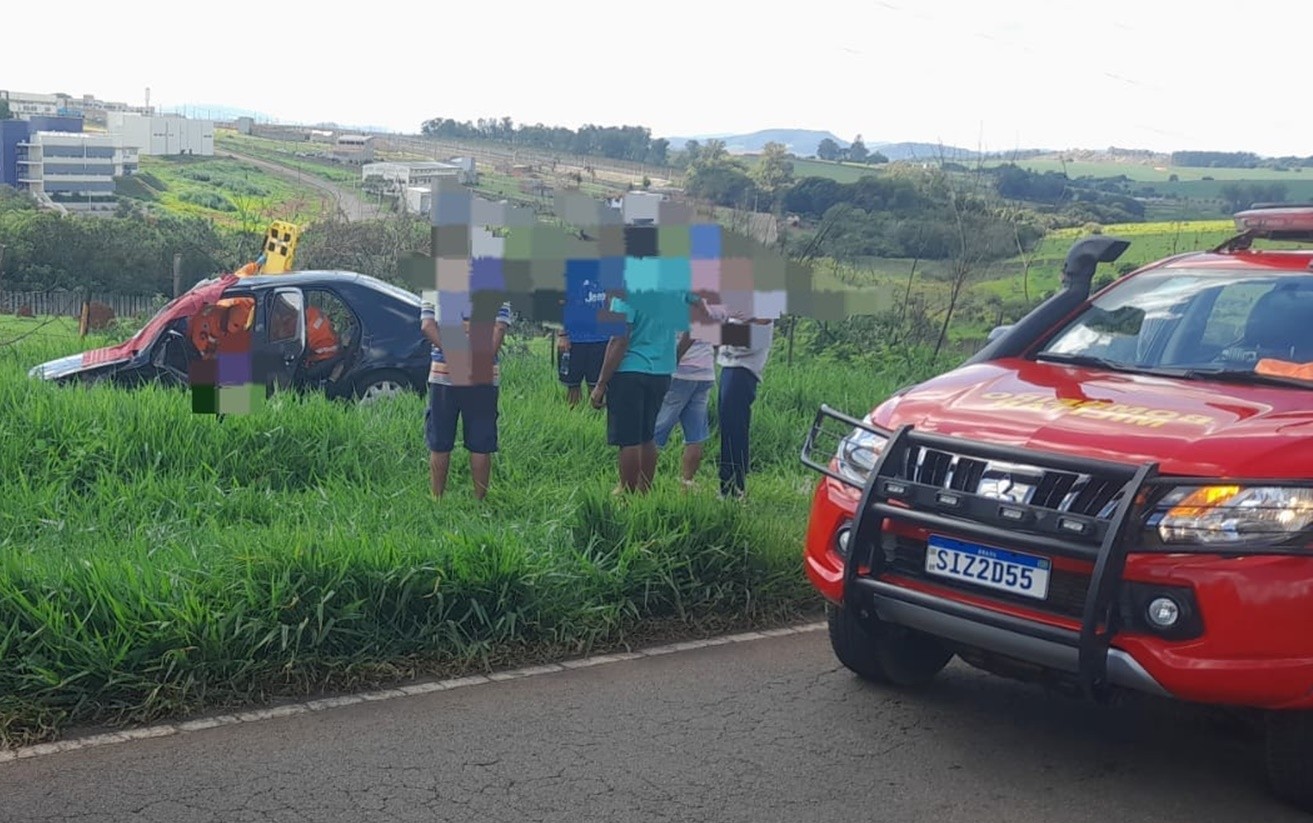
point(764, 730)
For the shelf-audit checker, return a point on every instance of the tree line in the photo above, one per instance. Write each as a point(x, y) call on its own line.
point(132, 254)
point(631, 143)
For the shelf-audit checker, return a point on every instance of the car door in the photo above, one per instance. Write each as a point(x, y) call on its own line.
point(279, 342)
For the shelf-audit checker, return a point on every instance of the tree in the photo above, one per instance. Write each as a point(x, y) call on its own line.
point(774, 170)
point(827, 149)
point(693, 152)
point(857, 151)
point(713, 154)
point(5, 113)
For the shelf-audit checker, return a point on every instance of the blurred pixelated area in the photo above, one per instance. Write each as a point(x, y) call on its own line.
point(229, 377)
point(647, 256)
point(486, 254)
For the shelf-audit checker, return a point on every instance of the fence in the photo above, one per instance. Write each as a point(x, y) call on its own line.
point(66, 303)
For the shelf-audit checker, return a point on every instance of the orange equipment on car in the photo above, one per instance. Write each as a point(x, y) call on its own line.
point(322, 339)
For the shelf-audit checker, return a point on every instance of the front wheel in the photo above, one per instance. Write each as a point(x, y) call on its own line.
point(1289, 757)
point(883, 653)
point(380, 385)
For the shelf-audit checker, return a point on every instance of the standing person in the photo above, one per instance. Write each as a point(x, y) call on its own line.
point(582, 343)
point(471, 397)
point(686, 400)
point(740, 374)
point(636, 375)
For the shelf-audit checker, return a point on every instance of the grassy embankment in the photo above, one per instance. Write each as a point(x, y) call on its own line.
point(154, 562)
point(230, 192)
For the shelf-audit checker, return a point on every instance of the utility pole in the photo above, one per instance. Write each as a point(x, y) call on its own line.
point(177, 272)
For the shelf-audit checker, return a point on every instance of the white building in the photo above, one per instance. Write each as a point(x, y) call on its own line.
point(24, 105)
point(354, 148)
point(640, 207)
point(163, 134)
point(419, 199)
point(395, 177)
point(74, 170)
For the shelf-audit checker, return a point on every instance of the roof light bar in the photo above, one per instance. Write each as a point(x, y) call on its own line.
point(1276, 220)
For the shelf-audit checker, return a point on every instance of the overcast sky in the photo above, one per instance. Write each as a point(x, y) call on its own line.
point(997, 75)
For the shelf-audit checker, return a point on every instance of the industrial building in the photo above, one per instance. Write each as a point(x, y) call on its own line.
point(60, 165)
point(88, 107)
point(354, 148)
point(163, 135)
point(413, 182)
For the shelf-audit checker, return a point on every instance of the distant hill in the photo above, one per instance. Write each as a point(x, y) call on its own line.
point(801, 142)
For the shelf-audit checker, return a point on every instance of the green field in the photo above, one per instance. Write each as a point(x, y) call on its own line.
point(284, 153)
point(1151, 173)
point(228, 191)
point(155, 562)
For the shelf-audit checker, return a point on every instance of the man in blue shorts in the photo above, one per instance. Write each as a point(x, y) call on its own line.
point(464, 389)
point(582, 343)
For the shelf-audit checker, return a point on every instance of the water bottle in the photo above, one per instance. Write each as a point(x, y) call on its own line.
point(564, 367)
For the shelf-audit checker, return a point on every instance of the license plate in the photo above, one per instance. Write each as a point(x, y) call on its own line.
point(1022, 574)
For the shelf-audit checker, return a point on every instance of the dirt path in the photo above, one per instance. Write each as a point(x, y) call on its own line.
point(349, 203)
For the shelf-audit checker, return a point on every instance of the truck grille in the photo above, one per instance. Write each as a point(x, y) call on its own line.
point(1050, 489)
point(1066, 589)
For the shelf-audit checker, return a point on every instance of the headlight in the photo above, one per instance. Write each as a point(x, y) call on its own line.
point(1234, 514)
point(857, 454)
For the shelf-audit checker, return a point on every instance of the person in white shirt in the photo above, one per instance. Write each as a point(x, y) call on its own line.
point(740, 374)
point(686, 402)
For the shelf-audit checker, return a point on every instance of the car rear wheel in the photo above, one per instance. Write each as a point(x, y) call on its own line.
point(1290, 757)
point(883, 653)
point(381, 385)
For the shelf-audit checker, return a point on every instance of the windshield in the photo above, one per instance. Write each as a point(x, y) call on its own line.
point(1197, 323)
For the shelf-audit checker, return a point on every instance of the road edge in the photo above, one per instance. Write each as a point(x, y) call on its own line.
point(425, 687)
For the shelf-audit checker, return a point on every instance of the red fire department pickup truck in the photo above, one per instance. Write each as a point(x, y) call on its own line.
point(1115, 493)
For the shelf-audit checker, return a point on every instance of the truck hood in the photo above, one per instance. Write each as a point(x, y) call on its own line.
point(1189, 427)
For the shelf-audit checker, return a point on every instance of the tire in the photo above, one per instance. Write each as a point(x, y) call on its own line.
point(380, 385)
point(885, 654)
point(1289, 755)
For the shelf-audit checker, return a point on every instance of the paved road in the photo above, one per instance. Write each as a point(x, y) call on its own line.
point(349, 203)
point(760, 731)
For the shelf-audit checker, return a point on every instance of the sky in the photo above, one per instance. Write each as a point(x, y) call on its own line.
point(993, 76)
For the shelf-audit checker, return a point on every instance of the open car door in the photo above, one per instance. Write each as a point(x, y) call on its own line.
point(278, 342)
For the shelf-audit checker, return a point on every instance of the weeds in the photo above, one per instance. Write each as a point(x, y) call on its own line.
point(155, 562)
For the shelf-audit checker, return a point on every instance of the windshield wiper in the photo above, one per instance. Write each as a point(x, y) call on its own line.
point(1247, 376)
point(1104, 363)
point(1079, 360)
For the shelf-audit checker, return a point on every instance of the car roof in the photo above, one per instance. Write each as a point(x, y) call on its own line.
point(323, 277)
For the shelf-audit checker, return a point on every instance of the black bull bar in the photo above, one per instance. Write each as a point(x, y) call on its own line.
point(897, 489)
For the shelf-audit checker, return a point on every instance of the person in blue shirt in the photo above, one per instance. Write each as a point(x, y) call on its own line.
point(582, 343)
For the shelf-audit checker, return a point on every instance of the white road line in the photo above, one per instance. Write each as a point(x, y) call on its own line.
point(200, 724)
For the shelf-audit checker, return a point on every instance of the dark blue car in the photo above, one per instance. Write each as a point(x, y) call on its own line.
point(381, 350)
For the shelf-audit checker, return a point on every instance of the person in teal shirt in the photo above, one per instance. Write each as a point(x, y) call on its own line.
point(636, 374)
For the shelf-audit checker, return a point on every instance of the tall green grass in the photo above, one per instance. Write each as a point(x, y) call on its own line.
point(155, 562)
